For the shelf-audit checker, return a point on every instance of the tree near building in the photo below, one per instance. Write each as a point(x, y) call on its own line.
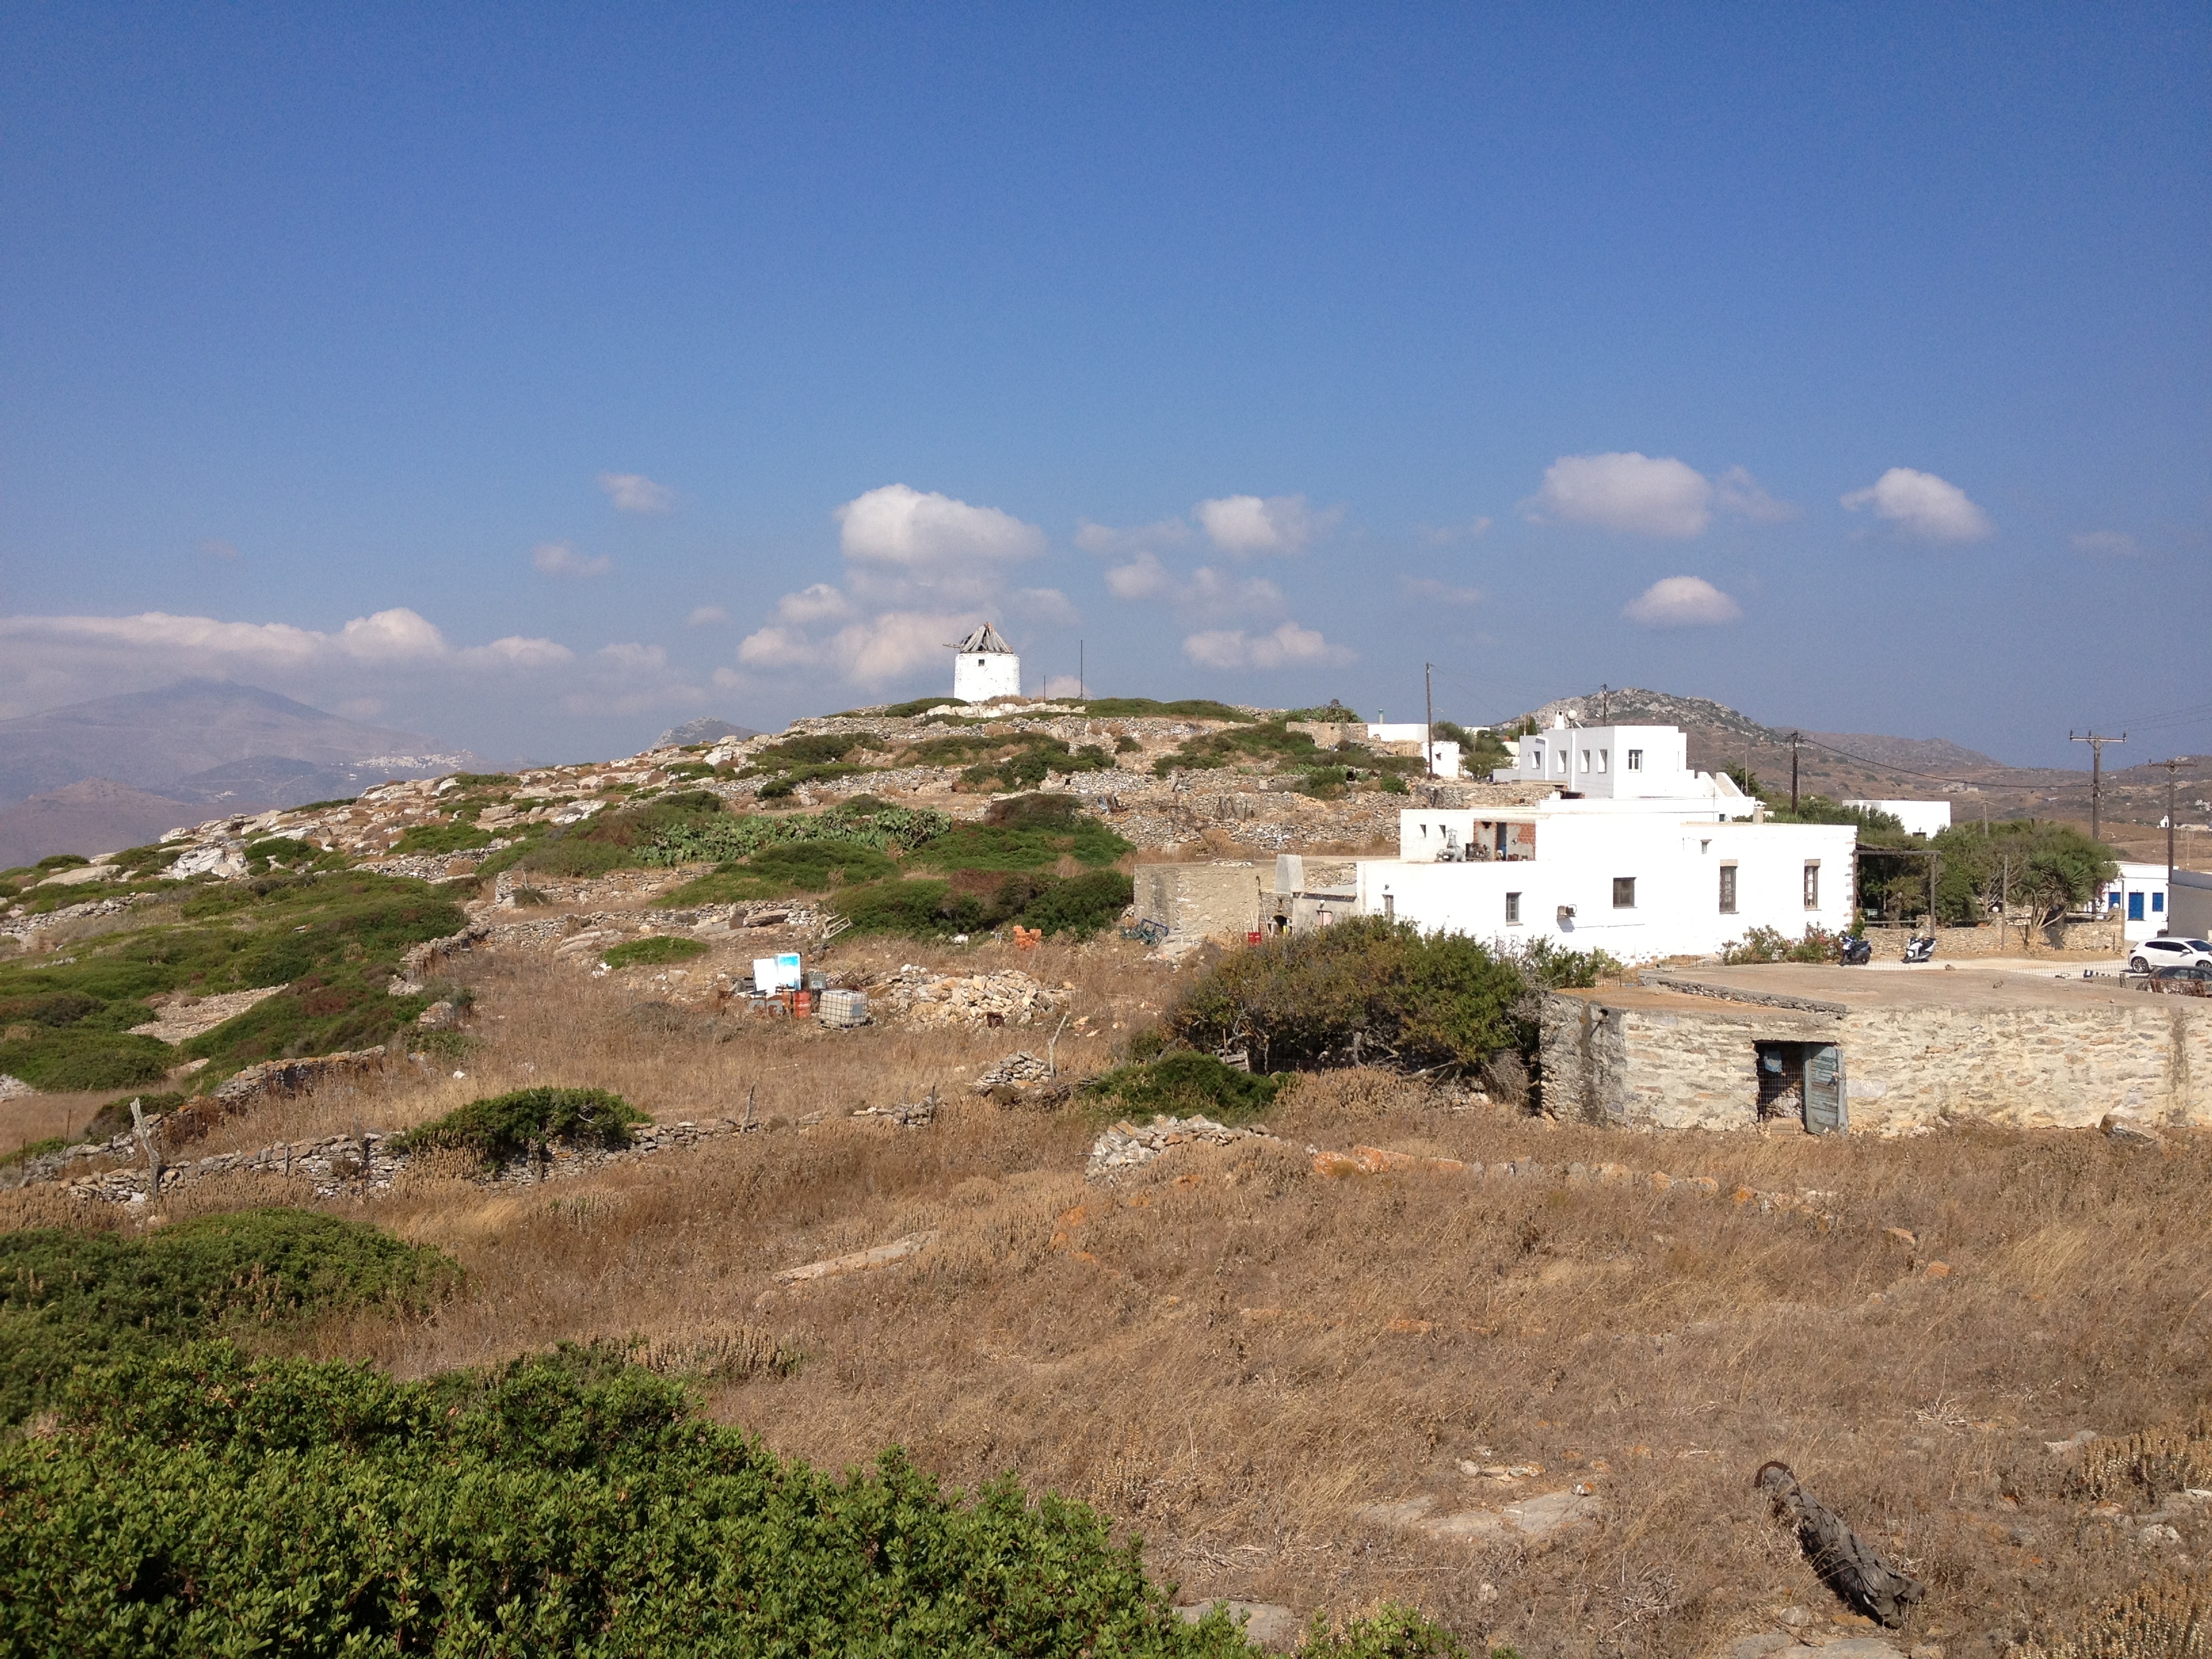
point(2032, 865)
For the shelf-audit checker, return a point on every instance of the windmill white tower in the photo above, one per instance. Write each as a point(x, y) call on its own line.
point(986, 667)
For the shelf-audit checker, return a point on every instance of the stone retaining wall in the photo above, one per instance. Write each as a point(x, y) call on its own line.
point(340, 1164)
point(2044, 1065)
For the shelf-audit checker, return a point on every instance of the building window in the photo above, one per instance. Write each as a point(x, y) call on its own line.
point(1728, 890)
point(1636, 760)
point(1536, 757)
point(1602, 753)
point(1585, 760)
point(1813, 883)
point(1624, 892)
point(1513, 909)
point(2157, 903)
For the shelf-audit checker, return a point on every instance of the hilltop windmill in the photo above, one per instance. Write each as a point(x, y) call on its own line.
point(986, 668)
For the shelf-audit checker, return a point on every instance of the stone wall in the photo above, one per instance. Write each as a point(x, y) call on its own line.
point(1679, 1062)
point(1223, 901)
point(2011, 939)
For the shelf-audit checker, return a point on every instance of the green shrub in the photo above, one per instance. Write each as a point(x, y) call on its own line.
point(500, 1128)
point(1188, 708)
point(655, 952)
point(908, 909)
point(1772, 944)
point(1367, 991)
point(76, 1058)
point(448, 837)
point(68, 1299)
point(885, 829)
point(1080, 906)
point(1183, 1081)
point(564, 1504)
point(61, 861)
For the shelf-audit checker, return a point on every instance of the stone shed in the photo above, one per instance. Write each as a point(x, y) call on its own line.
point(1865, 1050)
point(1225, 901)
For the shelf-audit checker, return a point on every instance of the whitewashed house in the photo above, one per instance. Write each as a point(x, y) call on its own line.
point(985, 668)
point(1443, 752)
point(1919, 818)
point(2138, 898)
point(1650, 860)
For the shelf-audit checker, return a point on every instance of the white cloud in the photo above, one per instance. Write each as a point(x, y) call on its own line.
point(1444, 535)
point(1922, 505)
point(1681, 601)
point(1241, 525)
point(1431, 590)
point(214, 548)
point(706, 616)
point(633, 492)
point(2108, 545)
point(562, 559)
point(817, 602)
point(1631, 493)
point(516, 652)
point(1104, 539)
point(898, 526)
point(1287, 646)
point(1736, 491)
point(395, 657)
point(1047, 606)
point(1142, 578)
point(1062, 685)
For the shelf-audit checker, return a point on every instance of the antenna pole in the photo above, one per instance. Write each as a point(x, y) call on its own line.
point(1079, 694)
point(2096, 775)
point(2172, 767)
point(1429, 723)
point(1794, 737)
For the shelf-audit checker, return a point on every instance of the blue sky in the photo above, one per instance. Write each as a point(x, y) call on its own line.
point(542, 376)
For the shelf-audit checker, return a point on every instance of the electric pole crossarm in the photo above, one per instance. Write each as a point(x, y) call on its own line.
point(2096, 743)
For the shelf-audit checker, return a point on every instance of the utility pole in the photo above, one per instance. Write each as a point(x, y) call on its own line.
point(2096, 774)
point(1604, 705)
point(1429, 721)
point(2172, 767)
point(1794, 737)
point(1079, 695)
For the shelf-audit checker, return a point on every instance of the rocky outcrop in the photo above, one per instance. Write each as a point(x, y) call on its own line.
point(1128, 1147)
point(1007, 997)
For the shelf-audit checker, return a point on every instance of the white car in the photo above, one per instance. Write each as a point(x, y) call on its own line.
point(2167, 953)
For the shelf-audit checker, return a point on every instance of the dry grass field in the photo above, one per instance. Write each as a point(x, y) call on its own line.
point(1235, 1355)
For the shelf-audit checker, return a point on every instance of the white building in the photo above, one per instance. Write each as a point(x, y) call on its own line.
point(986, 667)
point(1652, 859)
point(1444, 752)
point(2139, 897)
point(1919, 818)
point(1620, 762)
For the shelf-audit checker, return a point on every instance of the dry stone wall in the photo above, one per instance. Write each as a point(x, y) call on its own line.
point(1691, 1063)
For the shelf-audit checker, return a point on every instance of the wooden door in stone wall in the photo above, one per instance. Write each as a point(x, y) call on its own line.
point(1824, 1110)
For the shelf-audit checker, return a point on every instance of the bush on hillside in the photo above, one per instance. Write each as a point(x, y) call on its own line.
point(500, 1128)
point(561, 1503)
point(78, 1057)
point(1367, 991)
point(977, 901)
point(653, 952)
point(1181, 1082)
point(448, 838)
point(68, 1298)
point(1080, 906)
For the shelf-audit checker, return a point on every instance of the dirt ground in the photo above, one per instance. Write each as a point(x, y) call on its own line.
point(1237, 1357)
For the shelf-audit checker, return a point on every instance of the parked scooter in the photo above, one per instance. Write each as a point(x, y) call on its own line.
point(1920, 950)
point(1857, 952)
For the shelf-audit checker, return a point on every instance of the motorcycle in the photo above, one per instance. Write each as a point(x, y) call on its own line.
point(1857, 952)
point(1920, 950)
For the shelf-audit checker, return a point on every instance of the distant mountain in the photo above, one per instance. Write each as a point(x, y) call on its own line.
point(701, 730)
point(94, 814)
point(171, 739)
point(1912, 754)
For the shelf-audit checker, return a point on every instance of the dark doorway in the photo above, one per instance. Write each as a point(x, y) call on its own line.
point(1801, 1081)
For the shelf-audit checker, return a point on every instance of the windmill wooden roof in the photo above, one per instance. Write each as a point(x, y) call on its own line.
point(985, 638)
